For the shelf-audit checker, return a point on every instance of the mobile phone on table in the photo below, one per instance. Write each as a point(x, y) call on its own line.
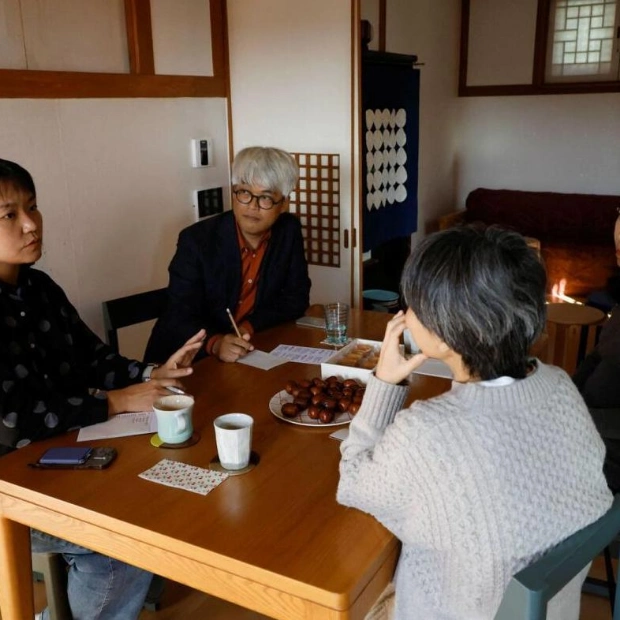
point(65, 456)
point(75, 458)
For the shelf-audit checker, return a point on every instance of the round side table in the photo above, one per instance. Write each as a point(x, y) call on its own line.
point(568, 325)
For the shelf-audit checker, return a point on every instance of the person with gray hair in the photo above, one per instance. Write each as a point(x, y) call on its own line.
point(249, 261)
point(478, 482)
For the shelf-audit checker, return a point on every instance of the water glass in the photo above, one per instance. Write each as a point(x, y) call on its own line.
point(336, 323)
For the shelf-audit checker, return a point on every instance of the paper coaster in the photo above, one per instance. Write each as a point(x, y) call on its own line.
point(215, 465)
point(158, 443)
point(182, 476)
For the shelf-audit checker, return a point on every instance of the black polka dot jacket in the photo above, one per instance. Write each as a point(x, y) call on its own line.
point(51, 363)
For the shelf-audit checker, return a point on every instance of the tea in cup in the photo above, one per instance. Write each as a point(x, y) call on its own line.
point(233, 436)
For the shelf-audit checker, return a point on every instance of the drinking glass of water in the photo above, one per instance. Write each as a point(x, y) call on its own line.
point(336, 323)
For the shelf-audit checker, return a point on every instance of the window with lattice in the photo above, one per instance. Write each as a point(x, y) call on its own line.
point(583, 44)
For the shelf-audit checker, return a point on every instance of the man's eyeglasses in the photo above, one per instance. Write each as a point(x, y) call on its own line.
point(263, 201)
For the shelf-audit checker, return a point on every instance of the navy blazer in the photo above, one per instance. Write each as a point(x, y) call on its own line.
point(205, 279)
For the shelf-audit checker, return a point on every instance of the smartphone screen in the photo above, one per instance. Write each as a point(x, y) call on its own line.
point(65, 456)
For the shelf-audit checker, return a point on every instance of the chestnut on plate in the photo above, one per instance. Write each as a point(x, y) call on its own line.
point(289, 410)
point(329, 403)
point(314, 411)
point(326, 416)
point(344, 404)
point(317, 399)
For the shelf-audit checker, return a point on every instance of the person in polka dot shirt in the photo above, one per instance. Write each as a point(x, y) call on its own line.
point(56, 375)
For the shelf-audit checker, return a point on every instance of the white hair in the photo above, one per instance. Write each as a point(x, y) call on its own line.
point(271, 168)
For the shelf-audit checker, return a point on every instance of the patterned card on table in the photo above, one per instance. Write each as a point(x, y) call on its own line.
point(183, 476)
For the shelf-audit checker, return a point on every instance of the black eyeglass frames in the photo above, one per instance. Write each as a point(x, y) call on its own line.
point(263, 201)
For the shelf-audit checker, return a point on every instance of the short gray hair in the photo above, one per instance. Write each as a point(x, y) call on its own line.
point(482, 291)
point(271, 168)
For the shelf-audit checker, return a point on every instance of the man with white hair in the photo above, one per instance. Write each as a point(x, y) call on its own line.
point(249, 260)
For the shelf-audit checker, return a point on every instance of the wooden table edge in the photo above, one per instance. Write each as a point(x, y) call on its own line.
point(231, 580)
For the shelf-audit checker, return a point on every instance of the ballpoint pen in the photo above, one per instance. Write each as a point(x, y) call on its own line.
point(232, 320)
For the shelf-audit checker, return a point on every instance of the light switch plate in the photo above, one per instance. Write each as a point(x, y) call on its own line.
point(202, 152)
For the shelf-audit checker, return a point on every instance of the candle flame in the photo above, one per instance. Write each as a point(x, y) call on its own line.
point(558, 291)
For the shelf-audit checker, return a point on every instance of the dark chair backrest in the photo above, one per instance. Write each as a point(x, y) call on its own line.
point(530, 590)
point(130, 310)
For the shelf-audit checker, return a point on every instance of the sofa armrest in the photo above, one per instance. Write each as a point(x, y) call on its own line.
point(450, 220)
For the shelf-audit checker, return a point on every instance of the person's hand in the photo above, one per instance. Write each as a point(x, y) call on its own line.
point(392, 366)
point(230, 347)
point(179, 363)
point(139, 397)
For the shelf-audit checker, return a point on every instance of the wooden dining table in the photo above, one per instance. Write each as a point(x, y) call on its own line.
point(273, 540)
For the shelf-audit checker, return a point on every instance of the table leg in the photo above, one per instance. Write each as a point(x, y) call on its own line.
point(16, 600)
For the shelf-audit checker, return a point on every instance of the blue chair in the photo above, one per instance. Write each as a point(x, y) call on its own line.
point(530, 590)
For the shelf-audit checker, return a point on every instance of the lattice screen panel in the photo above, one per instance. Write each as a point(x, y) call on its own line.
point(584, 37)
point(316, 200)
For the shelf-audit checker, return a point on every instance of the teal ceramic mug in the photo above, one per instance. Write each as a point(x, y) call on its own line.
point(174, 418)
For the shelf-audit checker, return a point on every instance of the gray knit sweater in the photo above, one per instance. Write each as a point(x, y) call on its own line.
point(476, 483)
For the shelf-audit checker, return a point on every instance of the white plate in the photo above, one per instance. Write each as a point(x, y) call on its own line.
point(277, 400)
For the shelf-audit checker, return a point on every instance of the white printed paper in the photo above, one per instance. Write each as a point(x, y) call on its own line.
point(122, 425)
point(303, 355)
point(260, 359)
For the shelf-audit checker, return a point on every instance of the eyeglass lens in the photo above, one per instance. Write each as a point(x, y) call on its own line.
point(245, 197)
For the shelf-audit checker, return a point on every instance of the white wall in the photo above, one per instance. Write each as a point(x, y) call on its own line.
point(114, 184)
point(560, 143)
point(180, 30)
point(501, 42)
point(370, 11)
point(290, 64)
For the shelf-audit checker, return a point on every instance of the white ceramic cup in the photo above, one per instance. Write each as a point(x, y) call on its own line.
point(233, 436)
point(174, 417)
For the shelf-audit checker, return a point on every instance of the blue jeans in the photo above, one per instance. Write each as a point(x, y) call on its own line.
point(100, 588)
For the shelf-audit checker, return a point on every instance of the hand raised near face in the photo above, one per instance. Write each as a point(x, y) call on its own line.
point(393, 367)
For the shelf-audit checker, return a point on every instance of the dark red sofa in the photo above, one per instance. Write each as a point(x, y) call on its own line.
point(575, 231)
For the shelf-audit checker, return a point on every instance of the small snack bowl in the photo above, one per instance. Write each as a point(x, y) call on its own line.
point(354, 361)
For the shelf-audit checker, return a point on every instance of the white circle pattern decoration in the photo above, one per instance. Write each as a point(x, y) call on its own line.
point(386, 157)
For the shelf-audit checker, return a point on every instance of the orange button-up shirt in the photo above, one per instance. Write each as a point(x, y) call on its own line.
point(251, 260)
